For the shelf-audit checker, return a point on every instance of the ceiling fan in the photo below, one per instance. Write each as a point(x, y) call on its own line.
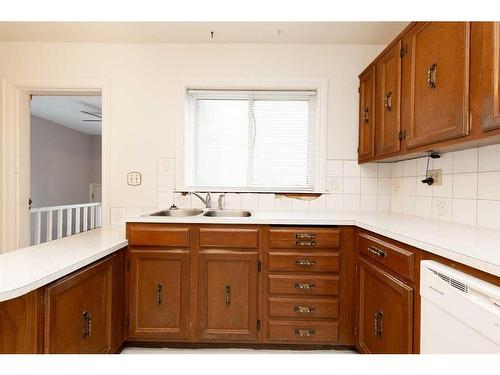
point(98, 117)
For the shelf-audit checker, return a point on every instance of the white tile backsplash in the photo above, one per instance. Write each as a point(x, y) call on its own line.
point(470, 192)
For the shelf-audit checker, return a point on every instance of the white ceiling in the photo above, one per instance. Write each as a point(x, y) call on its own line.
point(199, 32)
point(66, 111)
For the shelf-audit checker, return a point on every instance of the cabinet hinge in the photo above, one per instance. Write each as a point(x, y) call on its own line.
point(258, 325)
point(356, 270)
point(355, 331)
point(402, 135)
point(401, 52)
point(259, 266)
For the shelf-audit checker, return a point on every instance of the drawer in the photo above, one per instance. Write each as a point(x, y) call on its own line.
point(324, 308)
point(304, 262)
point(303, 331)
point(158, 235)
point(303, 238)
point(304, 285)
point(233, 238)
point(391, 256)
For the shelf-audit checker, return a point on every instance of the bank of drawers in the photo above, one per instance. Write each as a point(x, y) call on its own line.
point(303, 284)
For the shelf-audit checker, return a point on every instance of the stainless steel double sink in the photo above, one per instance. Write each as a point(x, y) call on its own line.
point(197, 212)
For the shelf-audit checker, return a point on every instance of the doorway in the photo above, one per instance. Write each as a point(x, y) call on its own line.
point(65, 165)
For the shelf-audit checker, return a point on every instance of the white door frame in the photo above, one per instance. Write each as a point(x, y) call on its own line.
point(15, 147)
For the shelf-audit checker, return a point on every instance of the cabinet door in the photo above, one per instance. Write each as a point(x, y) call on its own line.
point(366, 147)
point(490, 82)
point(159, 294)
point(388, 125)
point(228, 295)
point(78, 311)
point(437, 71)
point(385, 315)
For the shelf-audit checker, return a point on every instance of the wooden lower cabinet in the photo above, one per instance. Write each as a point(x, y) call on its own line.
point(78, 311)
point(21, 324)
point(228, 295)
point(159, 294)
point(385, 311)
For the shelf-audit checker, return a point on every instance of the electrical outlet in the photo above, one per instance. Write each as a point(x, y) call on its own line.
point(134, 178)
point(437, 175)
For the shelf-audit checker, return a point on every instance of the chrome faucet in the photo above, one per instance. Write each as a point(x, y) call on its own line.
point(221, 201)
point(207, 201)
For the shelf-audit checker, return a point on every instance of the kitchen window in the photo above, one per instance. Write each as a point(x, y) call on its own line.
point(240, 140)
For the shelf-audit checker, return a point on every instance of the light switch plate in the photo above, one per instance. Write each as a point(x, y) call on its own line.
point(134, 178)
point(437, 175)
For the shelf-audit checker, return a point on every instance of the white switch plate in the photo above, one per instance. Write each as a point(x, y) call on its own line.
point(134, 178)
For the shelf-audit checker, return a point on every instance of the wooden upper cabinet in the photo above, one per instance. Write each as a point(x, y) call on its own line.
point(490, 81)
point(385, 312)
point(388, 124)
point(436, 68)
point(78, 311)
point(159, 294)
point(228, 295)
point(367, 90)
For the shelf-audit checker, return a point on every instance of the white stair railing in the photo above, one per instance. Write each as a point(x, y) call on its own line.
point(48, 223)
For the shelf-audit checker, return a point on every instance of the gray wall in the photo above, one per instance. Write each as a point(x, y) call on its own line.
point(63, 164)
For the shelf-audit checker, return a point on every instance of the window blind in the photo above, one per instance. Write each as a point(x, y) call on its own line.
point(250, 140)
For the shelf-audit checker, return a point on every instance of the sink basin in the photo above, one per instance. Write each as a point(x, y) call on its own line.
point(227, 213)
point(178, 213)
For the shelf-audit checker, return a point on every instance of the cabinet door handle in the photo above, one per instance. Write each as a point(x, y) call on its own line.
point(304, 309)
point(388, 102)
point(305, 262)
point(305, 236)
point(378, 323)
point(159, 292)
point(304, 286)
point(228, 295)
point(432, 76)
point(305, 243)
point(378, 252)
point(364, 117)
point(308, 332)
point(87, 324)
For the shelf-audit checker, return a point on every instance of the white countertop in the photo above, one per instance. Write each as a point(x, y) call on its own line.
point(24, 270)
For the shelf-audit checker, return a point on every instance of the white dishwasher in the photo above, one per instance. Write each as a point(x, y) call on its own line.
point(459, 313)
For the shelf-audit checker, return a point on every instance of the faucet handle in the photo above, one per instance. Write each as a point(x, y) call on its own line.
point(208, 201)
point(220, 203)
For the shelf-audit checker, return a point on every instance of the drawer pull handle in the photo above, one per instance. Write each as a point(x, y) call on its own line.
point(378, 252)
point(87, 324)
point(228, 295)
point(305, 236)
point(305, 262)
point(304, 286)
point(432, 76)
point(388, 102)
point(304, 332)
point(159, 291)
point(305, 243)
point(378, 323)
point(304, 309)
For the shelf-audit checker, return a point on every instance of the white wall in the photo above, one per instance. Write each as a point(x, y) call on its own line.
point(62, 164)
point(144, 92)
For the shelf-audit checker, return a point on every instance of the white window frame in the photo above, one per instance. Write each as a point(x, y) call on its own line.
point(320, 85)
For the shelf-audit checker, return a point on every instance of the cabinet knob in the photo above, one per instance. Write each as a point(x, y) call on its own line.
point(87, 324)
point(308, 332)
point(388, 102)
point(378, 323)
point(159, 292)
point(304, 286)
point(432, 76)
point(305, 262)
point(304, 309)
point(228, 295)
point(364, 117)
